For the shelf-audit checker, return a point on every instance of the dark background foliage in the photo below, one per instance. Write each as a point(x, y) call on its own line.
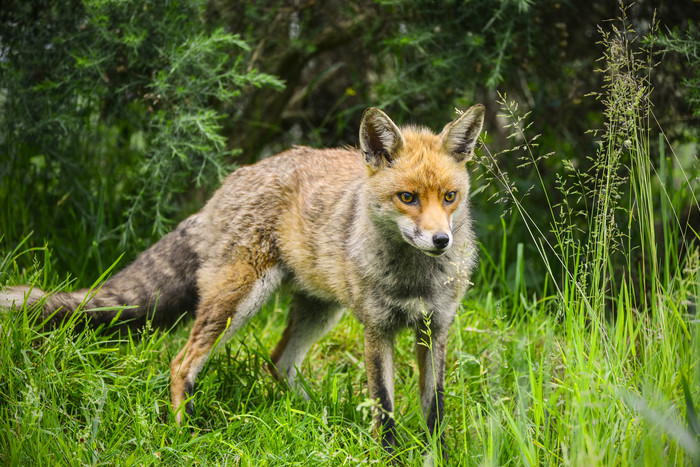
point(120, 118)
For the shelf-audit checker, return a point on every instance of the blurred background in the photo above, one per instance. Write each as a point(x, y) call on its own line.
point(120, 118)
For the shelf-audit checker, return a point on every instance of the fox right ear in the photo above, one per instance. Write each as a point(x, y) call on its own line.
point(459, 136)
point(380, 138)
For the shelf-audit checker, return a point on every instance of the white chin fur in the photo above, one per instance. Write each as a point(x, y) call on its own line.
point(434, 254)
point(430, 251)
point(423, 244)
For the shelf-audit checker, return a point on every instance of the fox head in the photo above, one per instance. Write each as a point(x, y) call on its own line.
point(418, 180)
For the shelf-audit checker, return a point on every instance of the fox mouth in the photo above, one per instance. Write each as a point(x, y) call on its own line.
point(431, 251)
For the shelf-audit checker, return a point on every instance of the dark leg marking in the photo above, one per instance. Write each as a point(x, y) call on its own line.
point(387, 424)
point(189, 392)
point(436, 410)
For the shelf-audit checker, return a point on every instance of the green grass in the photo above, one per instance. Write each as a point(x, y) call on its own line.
point(538, 389)
point(592, 362)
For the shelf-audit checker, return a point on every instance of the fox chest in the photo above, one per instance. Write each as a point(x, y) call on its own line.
point(424, 301)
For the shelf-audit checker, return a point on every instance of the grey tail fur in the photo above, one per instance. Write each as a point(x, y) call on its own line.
point(159, 285)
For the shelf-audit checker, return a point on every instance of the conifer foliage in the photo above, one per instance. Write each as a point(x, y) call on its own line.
point(108, 110)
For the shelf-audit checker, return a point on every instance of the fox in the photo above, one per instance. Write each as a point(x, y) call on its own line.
point(384, 230)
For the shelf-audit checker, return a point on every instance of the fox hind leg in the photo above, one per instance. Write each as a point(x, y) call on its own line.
point(308, 321)
point(233, 295)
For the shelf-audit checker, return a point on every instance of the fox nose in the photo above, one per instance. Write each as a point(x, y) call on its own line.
point(441, 240)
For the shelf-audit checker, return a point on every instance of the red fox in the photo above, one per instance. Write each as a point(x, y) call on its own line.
point(384, 231)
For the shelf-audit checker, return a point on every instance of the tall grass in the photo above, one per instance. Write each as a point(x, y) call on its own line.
point(604, 386)
point(598, 365)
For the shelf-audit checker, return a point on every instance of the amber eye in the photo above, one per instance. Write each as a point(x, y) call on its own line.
point(449, 197)
point(407, 197)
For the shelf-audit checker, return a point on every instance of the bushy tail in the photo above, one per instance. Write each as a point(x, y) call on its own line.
point(159, 285)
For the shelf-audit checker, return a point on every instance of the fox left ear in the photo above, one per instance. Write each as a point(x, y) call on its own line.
point(459, 136)
point(380, 138)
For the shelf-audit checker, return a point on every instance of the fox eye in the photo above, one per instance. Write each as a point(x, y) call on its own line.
point(449, 197)
point(407, 197)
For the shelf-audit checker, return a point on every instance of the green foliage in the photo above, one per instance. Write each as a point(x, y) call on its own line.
point(438, 58)
point(109, 112)
point(686, 42)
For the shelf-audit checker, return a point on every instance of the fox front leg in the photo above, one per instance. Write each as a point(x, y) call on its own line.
point(431, 353)
point(379, 362)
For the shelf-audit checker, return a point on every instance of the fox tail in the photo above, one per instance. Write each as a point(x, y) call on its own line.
point(159, 285)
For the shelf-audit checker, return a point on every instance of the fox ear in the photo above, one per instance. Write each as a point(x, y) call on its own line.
point(380, 138)
point(459, 136)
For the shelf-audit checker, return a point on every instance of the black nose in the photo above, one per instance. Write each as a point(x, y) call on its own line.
point(441, 240)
